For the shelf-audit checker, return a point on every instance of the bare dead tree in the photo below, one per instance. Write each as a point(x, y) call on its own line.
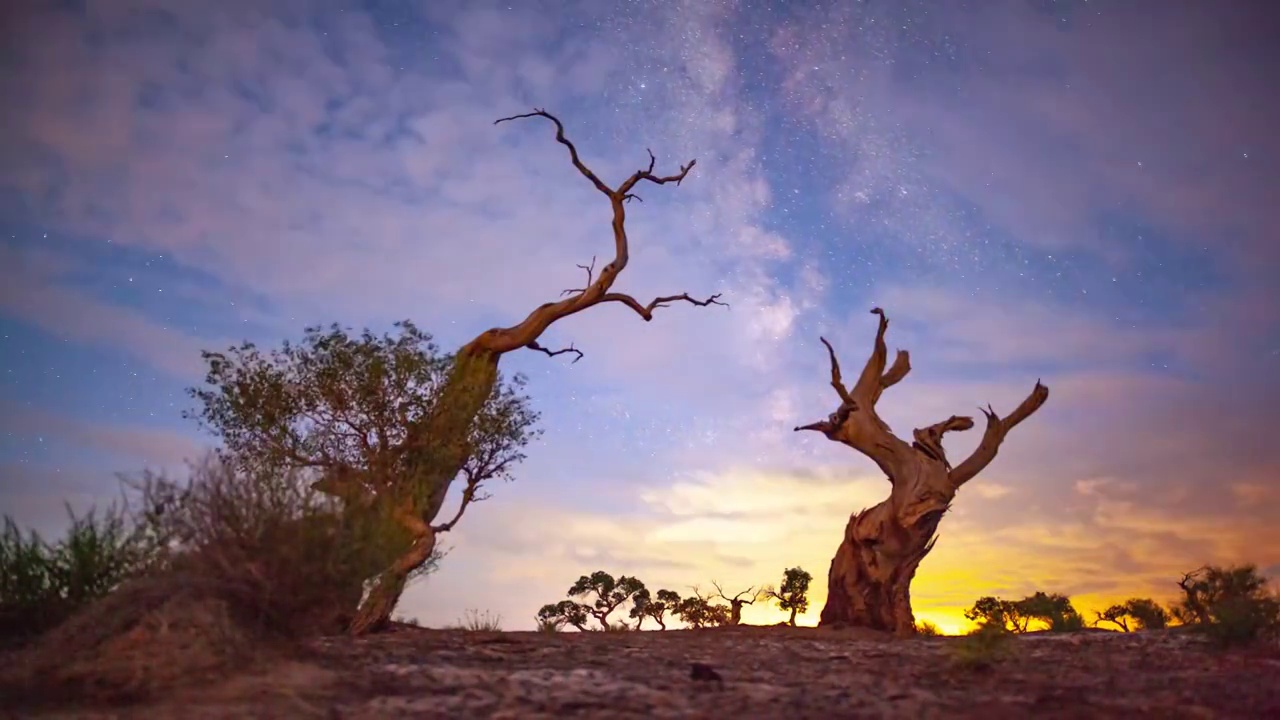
point(870, 577)
point(746, 597)
point(441, 448)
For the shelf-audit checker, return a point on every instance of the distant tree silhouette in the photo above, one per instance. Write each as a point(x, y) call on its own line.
point(565, 612)
point(794, 593)
point(1145, 613)
point(698, 611)
point(746, 597)
point(607, 592)
point(1054, 610)
point(869, 582)
point(994, 612)
point(1148, 613)
point(648, 606)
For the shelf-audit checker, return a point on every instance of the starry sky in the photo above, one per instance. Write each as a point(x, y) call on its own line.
point(1083, 192)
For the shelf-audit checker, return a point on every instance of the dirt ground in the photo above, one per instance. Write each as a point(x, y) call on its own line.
point(767, 672)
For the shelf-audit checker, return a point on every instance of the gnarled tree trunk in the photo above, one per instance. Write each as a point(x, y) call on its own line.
point(439, 443)
point(869, 583)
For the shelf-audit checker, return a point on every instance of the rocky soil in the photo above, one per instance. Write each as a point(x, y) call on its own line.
point(764, 672)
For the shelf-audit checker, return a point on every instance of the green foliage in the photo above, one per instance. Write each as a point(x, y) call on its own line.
point(384, 424)
point(608, 593)
point(267, 541)
point(927, 629)
point(42, 583)
point(794, 593)
point(1231, 605)
point(990, 643)
point(339, 401)
point(474, 621)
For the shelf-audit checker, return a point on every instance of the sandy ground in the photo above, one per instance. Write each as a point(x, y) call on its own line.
point(765, 672)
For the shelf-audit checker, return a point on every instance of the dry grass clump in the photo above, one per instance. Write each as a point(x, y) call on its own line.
point(242, 565)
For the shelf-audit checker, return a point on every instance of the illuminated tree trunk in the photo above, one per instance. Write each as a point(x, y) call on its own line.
point(440, 444)
point(869, 583)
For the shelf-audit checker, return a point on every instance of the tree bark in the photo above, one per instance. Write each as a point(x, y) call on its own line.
point(375, 612)
point(869, 582)
point(792, 620)
point(438, 444)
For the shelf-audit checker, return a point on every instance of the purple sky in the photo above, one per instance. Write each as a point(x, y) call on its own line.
point(1082, 192)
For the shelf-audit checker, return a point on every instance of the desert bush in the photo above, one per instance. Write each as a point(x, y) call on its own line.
point(238, 565)
point(549, 624)
point(1230, 605)
point(43, 583)
point(475, 621)
point(984, 647)
point(927, 629)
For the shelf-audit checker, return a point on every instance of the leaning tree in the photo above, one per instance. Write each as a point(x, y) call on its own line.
point(439, 440)
point(869, 584)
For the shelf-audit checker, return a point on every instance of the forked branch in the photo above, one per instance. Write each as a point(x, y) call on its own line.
point(497, 341)
point(997, 429)
point(470, 494)
point(875, 377)
point(552, 353)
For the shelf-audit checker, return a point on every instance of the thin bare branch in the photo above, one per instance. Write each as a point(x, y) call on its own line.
point(994, 435)
point(552, 353)
point(560, 138)
point(470, 494)
point(497, 341)
point(590, 270)
point(837, 381)
point(646, 311)
point(870, 382)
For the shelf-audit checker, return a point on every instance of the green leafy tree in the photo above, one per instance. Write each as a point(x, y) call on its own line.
point(1233, 605)
point(794, 593)
point(439, 443)
point(605, 593)
point(648, 606)
point(349, 409)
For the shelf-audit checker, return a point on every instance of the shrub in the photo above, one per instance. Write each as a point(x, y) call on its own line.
point(927, 629)
point(474, 621)
point(237, 566)
point(982, 649)
point(1230, 605)
point(42, 584)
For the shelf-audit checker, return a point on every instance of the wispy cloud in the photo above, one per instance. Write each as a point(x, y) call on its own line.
point(177, 179)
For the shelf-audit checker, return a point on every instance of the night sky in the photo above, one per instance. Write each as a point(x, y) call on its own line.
point(1083, 192)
